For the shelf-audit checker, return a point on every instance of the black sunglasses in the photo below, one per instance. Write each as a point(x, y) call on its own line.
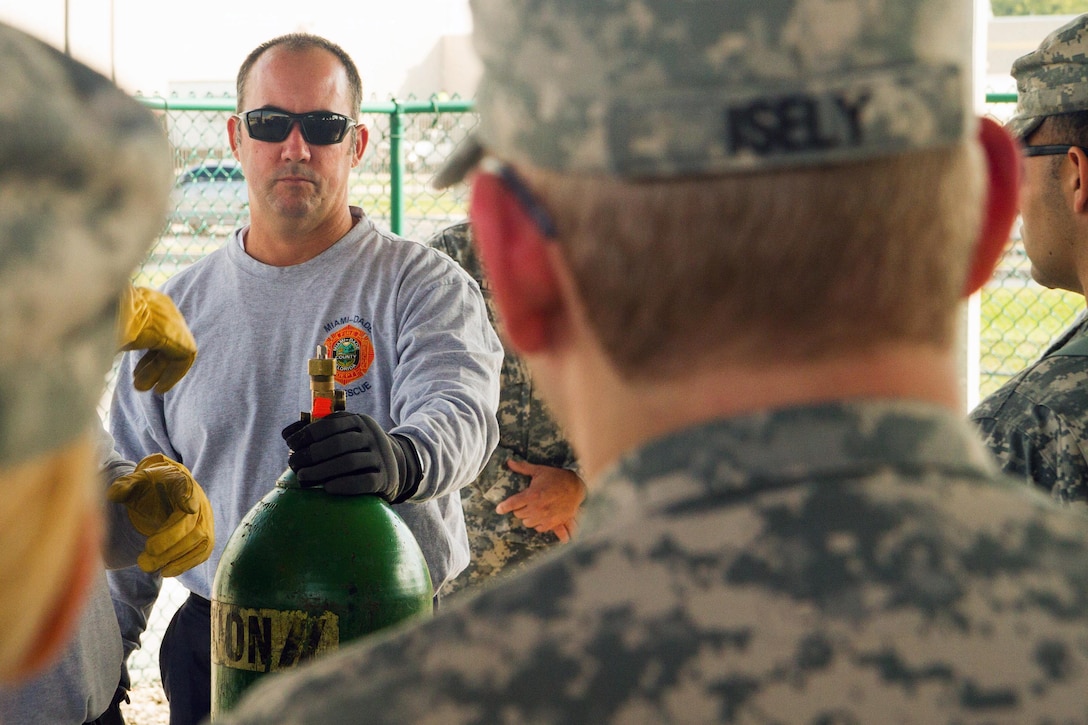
point(320, 128)
point(1049, 150)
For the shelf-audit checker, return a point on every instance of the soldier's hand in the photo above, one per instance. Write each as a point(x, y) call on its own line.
point(566, 531)
point(149, 320)
point(550, 502)
point(169, 507)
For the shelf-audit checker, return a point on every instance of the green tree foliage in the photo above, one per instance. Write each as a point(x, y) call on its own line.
point(1038, 7)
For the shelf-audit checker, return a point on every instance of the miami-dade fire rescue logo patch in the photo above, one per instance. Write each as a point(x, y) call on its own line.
point(353, 352)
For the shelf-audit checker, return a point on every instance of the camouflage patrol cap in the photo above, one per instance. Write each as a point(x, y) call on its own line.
point(85, 173)
point(1053, 78)
point(668, 88)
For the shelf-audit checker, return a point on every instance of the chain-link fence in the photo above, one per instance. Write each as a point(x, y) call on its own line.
point(407, 143)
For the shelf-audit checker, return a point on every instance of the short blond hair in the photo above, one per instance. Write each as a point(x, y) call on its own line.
point(785, 265)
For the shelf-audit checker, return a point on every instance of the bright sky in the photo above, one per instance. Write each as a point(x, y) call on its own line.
point(157, 42)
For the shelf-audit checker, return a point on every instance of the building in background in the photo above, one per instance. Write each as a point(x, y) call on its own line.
point(403, 48)
point(1012, 36)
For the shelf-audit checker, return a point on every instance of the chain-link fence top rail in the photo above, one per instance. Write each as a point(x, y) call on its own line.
point(408, 141)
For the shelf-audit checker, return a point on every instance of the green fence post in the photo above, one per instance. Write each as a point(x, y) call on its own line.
point(396, 170)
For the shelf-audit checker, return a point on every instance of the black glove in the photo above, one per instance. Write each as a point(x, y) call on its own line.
point(350, 454)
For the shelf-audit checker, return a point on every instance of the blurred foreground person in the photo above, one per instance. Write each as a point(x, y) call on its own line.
point(158, 519)
point(84, 177)
point(731, 240)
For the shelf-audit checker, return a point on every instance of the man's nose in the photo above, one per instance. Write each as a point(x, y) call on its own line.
point(294, 147)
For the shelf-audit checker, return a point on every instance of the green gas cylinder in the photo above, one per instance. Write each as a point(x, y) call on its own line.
point(305, 572)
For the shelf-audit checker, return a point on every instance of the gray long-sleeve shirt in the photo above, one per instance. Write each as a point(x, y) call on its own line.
point(414, 350)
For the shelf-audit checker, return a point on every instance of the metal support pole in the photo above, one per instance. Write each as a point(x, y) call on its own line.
point(396, 169)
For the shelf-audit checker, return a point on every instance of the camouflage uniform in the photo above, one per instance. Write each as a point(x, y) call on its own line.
point(1037, 423)
point(850, 562)
point(526, 431)
point(835, 564)
point(85, 173)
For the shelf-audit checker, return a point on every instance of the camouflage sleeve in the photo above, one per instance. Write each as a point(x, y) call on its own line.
point(456, 241)
point(496, 482)
point(1045, 451)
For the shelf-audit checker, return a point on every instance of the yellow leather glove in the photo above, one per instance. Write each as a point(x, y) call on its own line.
point(148, 320)
point(169, 507)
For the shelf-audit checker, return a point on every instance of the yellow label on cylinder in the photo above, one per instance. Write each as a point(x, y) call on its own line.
point(269, 640)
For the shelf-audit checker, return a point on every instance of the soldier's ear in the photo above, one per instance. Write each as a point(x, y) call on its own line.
point(1079, 159)
point(514, 252)
point(1002, 158)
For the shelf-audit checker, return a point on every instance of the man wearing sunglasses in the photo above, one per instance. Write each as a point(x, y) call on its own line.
point(736, 271)
point(1037, 423)
point(415, 353)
